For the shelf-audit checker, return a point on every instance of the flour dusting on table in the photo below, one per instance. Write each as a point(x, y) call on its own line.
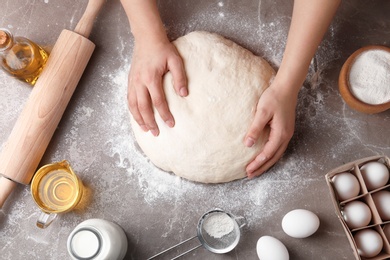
point(252, 198)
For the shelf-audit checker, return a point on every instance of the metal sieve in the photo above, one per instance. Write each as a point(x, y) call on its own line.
point(225, 235)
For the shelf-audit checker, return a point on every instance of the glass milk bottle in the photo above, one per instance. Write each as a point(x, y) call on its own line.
point(21, 57)
point(97, 239)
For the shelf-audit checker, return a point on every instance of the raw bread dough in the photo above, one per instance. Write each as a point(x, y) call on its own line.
point(225, 82)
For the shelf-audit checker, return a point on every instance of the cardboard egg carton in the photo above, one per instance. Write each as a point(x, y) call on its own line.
point(364, 195)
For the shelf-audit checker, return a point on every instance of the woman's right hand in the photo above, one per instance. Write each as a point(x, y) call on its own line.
point(150, 62)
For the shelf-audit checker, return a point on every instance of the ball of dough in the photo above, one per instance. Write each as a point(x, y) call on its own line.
point(206, 144)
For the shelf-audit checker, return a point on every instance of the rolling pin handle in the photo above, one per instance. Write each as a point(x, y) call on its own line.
point(7, 186)
point(47, 103)
point(84, 26)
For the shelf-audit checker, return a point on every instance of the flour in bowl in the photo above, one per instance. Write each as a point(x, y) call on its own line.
point(369, 77)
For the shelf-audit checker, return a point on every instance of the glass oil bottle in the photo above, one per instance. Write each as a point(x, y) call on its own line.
point(21, 57)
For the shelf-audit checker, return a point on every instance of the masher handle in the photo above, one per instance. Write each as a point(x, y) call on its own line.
point(84, 26)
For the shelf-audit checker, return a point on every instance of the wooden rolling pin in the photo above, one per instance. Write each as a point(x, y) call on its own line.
point(46, 104)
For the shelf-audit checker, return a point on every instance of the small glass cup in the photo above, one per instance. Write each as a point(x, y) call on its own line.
point(55, 188)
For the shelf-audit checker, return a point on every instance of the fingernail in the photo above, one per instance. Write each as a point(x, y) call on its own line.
point(144, 128)
point(260, 158)
point(249, 142)
point(183, 92)
point(154, 132)
point(170, 123)
point(250, 169)
point(252, 175)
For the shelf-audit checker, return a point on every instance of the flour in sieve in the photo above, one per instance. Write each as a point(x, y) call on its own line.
point(369, 77)
point(218, 225)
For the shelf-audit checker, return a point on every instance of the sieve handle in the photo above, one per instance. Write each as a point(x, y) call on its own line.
point(241, 221)
point(172, 247)
point(186, 252)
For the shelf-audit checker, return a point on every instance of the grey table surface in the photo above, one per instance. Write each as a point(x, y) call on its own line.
point(157, 209)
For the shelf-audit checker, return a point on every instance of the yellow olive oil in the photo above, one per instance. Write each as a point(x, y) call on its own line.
point(56, 189)
point(21, 57)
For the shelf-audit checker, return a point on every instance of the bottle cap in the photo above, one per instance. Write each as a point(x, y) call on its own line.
point(4, 39)
point(85, 244)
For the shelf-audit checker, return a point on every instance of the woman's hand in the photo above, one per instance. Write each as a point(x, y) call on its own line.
point(153, 56)
point(150, 62)
point(276, 106)
point(276, 109)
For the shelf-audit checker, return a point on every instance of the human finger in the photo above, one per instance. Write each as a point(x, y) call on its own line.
point(176, 67)
point(269, 163)
point(159, 101)
point(259, 122)
point(275, 141)
point(145, 109)
point(133, 107)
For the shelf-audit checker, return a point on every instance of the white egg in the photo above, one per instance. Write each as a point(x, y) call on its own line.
point(270, 248)
point(356, 214)
point(368, 242)
point(382, 203)
point(300, 223)
point(346, 185)
point(375, 175)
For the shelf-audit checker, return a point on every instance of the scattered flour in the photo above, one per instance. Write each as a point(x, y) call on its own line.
point(158, 187)
point(258, 200)
point(369, 77)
